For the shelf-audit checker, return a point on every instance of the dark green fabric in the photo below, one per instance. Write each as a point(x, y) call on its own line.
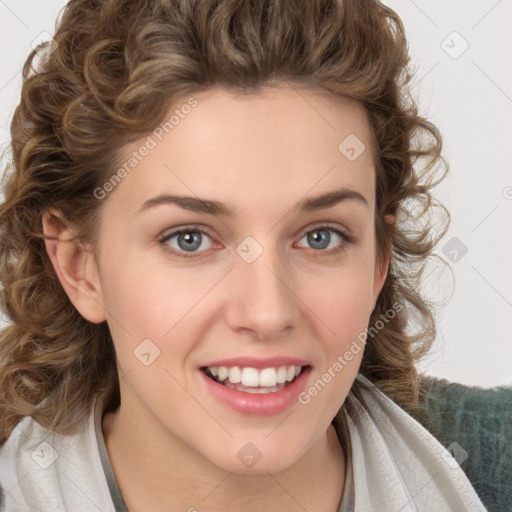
point(480, 421)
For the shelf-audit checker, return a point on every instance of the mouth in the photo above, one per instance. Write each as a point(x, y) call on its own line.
point(255, 380)
point(256, 386)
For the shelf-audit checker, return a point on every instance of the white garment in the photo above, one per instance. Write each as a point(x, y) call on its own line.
point(397, 466)
point(41, 471)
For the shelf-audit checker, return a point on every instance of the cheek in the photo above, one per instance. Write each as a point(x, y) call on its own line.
point(148, 298)
point(156, 302)
point(343, 299)
point(343, 306)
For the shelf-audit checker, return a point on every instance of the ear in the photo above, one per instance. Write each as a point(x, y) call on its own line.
point(74, 265)
point(382, 266)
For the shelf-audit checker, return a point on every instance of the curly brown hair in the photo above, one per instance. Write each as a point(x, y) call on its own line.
point(116, 68)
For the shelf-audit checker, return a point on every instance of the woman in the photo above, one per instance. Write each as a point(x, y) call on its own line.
point(211, 238)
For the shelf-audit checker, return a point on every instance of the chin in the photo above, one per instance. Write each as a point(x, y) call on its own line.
point(257, 458)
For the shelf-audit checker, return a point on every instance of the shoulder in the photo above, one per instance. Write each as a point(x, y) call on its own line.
point(391, 450)
point(26, 460)
point(44, 470)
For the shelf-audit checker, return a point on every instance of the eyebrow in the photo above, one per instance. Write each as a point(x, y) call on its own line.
point(211, 207)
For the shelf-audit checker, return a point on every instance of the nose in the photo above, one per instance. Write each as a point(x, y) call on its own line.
point(263, 302)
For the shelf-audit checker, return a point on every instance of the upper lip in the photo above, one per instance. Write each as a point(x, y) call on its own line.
point(259, 362)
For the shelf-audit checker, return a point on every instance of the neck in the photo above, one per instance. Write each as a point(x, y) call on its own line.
point(150, 479)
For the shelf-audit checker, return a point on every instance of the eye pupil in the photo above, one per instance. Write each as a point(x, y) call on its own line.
point(192, 239)
point(316, 239)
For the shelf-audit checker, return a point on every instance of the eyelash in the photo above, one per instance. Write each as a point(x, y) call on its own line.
point(347, 239)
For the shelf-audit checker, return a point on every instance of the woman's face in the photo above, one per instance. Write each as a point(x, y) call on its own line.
point(262, 277)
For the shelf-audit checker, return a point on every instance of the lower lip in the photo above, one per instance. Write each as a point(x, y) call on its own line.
point(258, 404)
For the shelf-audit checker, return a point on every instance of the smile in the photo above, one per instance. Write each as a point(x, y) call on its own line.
point(253, 380)
point(254, 387)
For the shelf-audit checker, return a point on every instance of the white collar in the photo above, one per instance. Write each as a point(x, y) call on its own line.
point(398, 465)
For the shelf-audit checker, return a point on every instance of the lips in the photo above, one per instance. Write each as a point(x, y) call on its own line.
point(256, 386)
point(255, 362)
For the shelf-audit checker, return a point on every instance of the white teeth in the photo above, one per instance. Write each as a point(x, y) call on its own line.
point(281, 374)
point(252, 377)
point(254, 390)
point(222, 373)
point(268, 377)
point(235, 375)
point(262, 391)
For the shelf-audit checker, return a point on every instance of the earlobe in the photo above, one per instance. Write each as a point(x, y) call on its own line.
point(380, 275)
point(74, 265)
point(382, 266)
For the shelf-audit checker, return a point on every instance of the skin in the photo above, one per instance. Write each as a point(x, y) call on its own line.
point(171, 444)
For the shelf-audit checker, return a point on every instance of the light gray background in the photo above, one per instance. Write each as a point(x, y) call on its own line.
point(468, 95)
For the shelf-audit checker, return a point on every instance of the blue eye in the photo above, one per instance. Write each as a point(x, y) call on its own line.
point(187, 242)
point(320, 238)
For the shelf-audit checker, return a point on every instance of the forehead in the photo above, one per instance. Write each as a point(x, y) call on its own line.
point(281, 142)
